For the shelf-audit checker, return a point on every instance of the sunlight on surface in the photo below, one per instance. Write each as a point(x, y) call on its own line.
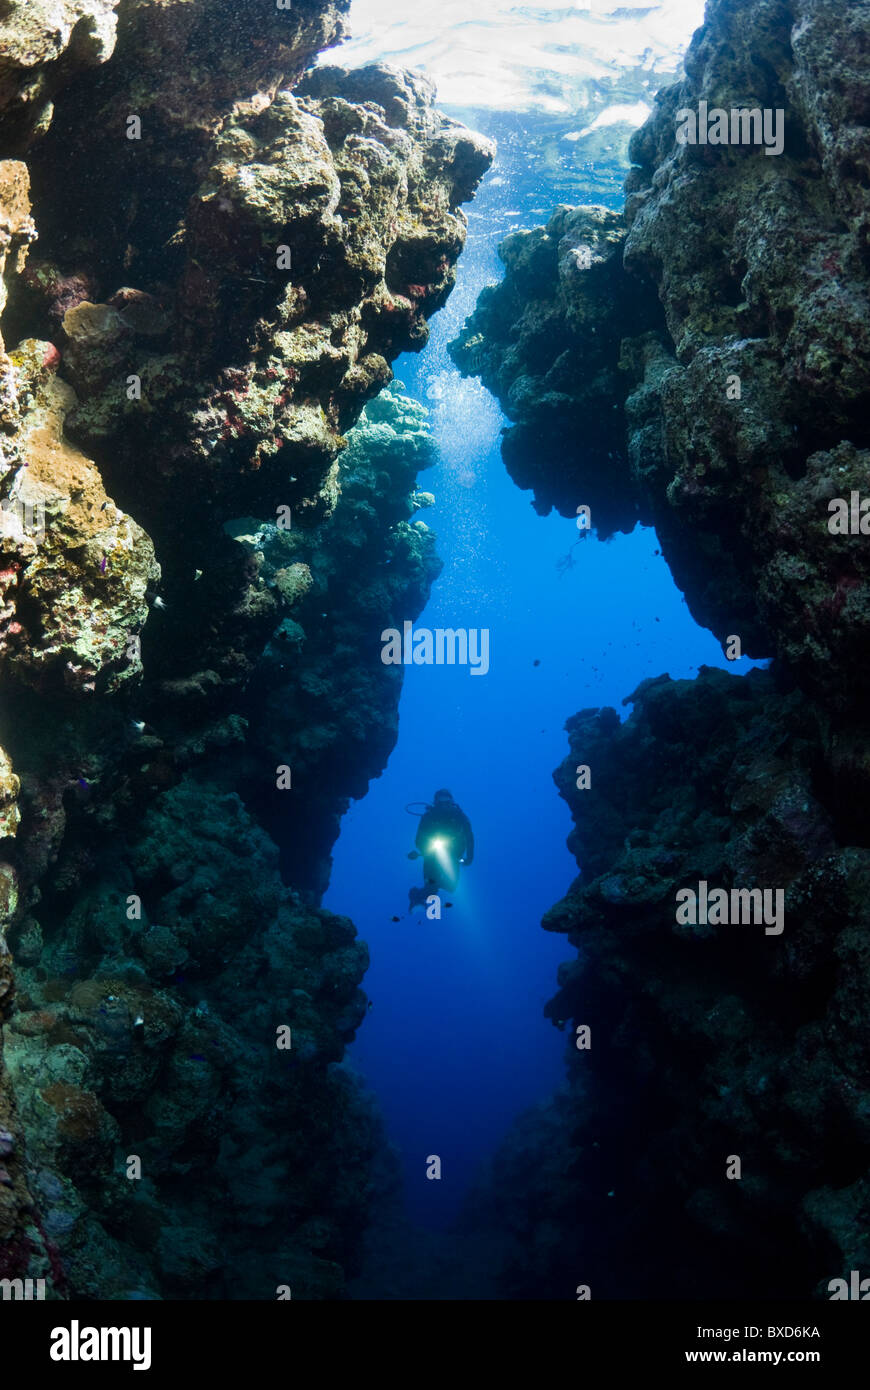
point(554, 58)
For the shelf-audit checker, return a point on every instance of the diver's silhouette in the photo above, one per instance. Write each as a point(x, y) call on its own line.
point(445, 840)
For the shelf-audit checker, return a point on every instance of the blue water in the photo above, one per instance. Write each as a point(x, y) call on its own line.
point(455, 1044)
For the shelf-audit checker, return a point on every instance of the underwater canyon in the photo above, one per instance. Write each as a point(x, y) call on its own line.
point(238, 633)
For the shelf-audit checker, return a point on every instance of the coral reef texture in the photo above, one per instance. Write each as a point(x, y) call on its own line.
point(744, 379)
point(210, 254)
point(730, 412)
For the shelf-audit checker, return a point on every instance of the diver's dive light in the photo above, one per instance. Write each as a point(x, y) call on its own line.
point(439, 848)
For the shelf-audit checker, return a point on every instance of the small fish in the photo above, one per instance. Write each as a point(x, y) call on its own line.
point(138, 725)
point(537, 662)
point(196, 1057)
point(448, 904)
point(371, 1005)
point(158, 602)
point(197, 574)
point(104, 564)
point(395, 919)
point(105, 505)
point(83, 784)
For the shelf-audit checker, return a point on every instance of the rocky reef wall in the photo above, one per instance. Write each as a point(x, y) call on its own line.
point(211, 254)
point(703, 363)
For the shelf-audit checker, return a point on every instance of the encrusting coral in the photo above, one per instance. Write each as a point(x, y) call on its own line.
point(196, 547)
point(731, 413)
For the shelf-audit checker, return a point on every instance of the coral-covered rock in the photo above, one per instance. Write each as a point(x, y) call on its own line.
point(321, 701)
point(17, 231)
point(546, 341)
point(198, 556)
point(745, 431)
point(747, 386)
point(708, 1039)
point(34, 36)
point(8, 894)
point(10, 786)
point(770, 351)
point(165, 1043)
point(76, 569)
point(322, 236)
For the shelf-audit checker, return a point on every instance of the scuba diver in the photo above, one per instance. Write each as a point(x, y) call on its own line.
point(445, 840)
